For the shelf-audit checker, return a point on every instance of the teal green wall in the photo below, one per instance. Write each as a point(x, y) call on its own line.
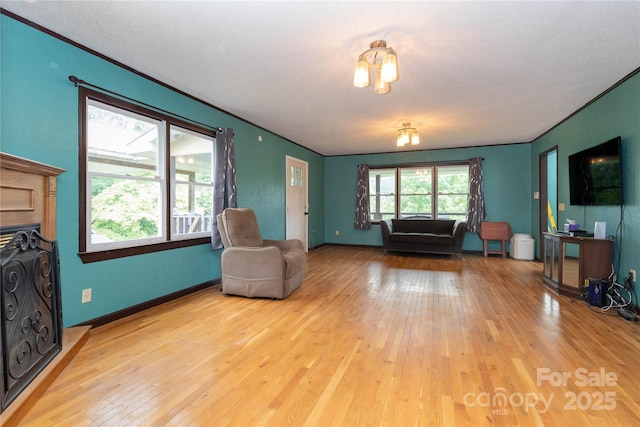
point(617, 113)
point(39, 113)
point(507, 184)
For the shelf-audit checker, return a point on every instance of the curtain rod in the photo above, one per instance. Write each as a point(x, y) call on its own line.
point(444, 162)
point(78, 82)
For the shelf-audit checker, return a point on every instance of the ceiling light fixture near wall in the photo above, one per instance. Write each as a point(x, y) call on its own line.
point(384, 61)
point(408, 135)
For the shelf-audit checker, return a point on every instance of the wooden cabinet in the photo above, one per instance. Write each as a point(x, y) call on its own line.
point(569, 261)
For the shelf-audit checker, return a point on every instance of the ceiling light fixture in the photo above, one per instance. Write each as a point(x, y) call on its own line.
point(408, 135)
point(384, 61)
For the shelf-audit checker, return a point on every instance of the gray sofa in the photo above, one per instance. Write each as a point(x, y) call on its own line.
point(438, 236)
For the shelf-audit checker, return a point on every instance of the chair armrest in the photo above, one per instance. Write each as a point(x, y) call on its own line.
point(285, 245)
point(250, 262)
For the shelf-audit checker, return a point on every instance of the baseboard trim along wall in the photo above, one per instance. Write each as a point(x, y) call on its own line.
point(103, 320)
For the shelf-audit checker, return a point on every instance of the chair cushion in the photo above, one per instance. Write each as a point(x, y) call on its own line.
point(241, 227)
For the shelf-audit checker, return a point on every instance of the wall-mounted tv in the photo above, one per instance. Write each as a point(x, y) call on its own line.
point(595, 175)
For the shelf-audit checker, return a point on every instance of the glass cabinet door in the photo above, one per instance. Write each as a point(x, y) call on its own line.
point(554, 259)
point(548, 255)
point(571, 264)
point(551, 248)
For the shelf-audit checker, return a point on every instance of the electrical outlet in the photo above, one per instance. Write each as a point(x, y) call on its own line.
point(633, 275)
point(86, 295)
point(337, 232)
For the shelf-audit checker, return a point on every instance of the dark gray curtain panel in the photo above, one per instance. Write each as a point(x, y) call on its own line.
point(224, 186)
point(475, 212)
point(363, 218)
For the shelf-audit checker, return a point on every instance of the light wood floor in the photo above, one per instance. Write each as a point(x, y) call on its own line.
point(367, 340)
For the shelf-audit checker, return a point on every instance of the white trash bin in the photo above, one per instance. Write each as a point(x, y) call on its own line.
point(522, 246)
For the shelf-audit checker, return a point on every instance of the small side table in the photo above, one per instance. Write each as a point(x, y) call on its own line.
point(500, 231)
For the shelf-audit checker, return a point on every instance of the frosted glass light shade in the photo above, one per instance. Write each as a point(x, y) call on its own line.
point(403, 138)
point(361, 75)
point(379, 86)
point(389, 71)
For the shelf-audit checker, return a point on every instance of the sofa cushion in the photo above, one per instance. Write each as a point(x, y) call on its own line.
point(426, 238)
point(438, 226)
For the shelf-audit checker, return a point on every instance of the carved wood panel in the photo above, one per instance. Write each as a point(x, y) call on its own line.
point(28, 193)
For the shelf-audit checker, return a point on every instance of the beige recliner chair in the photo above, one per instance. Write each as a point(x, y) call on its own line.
point(253, 267)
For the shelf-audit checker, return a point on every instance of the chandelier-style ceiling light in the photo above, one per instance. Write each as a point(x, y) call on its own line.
point(408, 135)
point(384, 61)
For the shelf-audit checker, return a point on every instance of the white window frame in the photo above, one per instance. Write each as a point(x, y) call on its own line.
point(434, 212)
point(192, 235)
point(160, 179)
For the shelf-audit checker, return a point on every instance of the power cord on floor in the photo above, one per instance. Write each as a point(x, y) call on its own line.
point(614, 297)
point(313, 245)
point(617, 300)
point(620, 301)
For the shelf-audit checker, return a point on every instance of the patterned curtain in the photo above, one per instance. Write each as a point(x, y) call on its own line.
point(363, 220)
point(224, 186)
point(476, 212)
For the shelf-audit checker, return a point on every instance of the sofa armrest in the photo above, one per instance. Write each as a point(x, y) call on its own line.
point(459, 230)
point(386, 228)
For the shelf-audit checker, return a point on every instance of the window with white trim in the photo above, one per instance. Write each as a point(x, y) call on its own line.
point(431, 191)
point(146, 178)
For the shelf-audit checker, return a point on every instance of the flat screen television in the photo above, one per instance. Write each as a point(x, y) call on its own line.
point(595, 175)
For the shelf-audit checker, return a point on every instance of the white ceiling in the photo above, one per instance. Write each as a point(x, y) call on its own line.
point(471, 73)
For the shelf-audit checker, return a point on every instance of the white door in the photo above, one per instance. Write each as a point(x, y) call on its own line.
point(296, 200)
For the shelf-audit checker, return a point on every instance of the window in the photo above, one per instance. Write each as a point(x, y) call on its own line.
point(382, 191)
point(146, 179)
point(296, 176)
point(432, 191)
